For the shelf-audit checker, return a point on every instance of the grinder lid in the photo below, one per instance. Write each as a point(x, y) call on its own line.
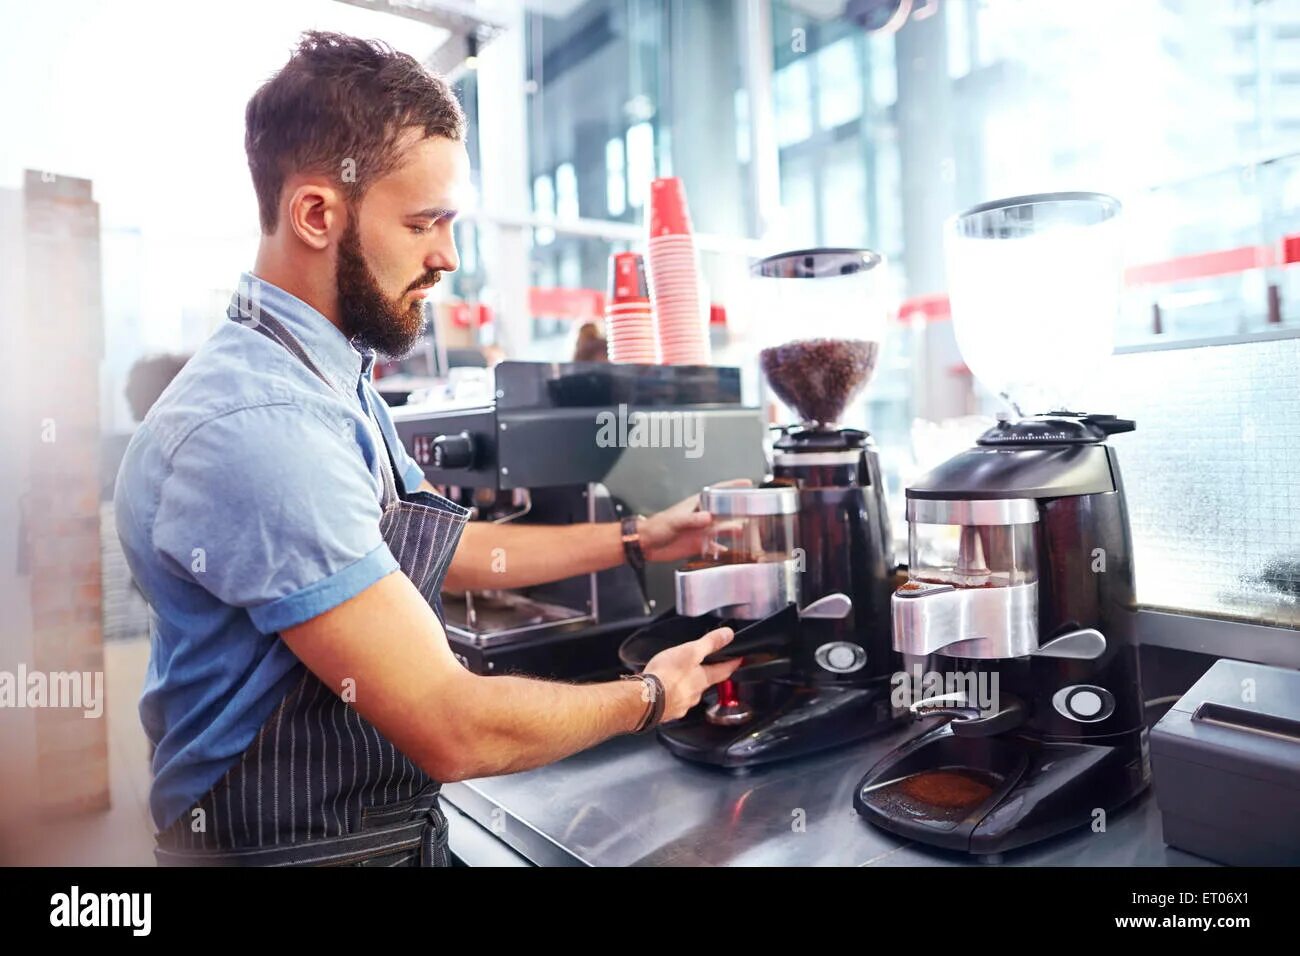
point(777, 500)
point(1056, 428)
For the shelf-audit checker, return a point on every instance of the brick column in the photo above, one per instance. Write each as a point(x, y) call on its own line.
point(62, 346)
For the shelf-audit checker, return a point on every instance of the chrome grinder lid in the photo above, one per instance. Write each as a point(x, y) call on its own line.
point(781, 500)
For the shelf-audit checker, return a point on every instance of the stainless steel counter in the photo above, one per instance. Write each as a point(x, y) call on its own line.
point(630, 802)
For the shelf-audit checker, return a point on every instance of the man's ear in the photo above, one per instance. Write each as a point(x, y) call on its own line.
point(315, 211)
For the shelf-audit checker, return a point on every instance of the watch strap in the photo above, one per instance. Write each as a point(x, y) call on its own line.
point(632, 542)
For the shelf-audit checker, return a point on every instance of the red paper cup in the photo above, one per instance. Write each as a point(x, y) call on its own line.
point(669, 214)
point(627, 277)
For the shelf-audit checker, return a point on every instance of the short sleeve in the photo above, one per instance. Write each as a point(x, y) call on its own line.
point(269, 509)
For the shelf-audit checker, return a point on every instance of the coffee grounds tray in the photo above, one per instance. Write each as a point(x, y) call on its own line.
point(940, 787)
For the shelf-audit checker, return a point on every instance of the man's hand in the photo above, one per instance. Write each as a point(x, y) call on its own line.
point(507, 556)
point(684, 678)
point(679, 531)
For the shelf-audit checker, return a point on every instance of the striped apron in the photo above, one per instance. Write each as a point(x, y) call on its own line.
point(320, 785)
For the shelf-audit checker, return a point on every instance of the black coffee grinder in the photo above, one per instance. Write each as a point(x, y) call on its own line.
point(802, 568)
point(1017, 620)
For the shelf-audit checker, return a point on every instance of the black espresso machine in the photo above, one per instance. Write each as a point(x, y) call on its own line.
point(802, 567)
point(572, 443)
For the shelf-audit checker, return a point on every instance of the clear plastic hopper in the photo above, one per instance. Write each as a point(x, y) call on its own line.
point(822, 317)
point(1034, 283)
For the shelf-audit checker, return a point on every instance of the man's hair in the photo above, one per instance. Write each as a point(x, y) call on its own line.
point(339, 108)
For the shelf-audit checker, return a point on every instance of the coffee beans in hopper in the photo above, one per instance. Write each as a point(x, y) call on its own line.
point(819, 377)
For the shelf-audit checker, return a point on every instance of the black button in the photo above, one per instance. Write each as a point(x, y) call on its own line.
point(453, 451)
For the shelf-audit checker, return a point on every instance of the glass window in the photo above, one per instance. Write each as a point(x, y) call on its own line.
point(793, 89)
point(665, 151)
point(743, 131)
point(659, 77)
point(544, 206)
point(615, 178)
point(640, 163)
point(839, 83)
point(887, 209)
point(566, 192)
point(798, 204)
point(1188, 112)
point(844, 195)
point(884, 77)
point(957, 16)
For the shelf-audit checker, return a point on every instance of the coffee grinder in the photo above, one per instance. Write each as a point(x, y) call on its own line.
point(802, 568)
point(1018, 612)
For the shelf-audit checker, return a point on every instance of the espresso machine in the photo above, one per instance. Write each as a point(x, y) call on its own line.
point(1018, 612)
point(576, 443)
point(801, 568)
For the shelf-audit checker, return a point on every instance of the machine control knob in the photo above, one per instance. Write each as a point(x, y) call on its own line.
point(453, 451)
point(840, 657)
point(1084, 703)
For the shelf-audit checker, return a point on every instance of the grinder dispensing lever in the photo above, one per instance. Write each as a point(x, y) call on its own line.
point(969, 719)
point(778, 631)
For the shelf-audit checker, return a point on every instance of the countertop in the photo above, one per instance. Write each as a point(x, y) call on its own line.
point(630, 802)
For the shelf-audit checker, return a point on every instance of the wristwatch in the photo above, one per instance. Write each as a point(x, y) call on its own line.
point(632, 543)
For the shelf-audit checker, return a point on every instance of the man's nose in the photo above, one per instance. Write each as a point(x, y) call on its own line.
point(443, 256)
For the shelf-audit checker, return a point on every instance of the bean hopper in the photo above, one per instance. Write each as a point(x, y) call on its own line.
point(1019, 604)
point(801, 567)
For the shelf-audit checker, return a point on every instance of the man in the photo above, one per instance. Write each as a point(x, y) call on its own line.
point(301, 693)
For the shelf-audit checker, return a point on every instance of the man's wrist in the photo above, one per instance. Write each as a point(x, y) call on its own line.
point(651, 695)
point(630, 530)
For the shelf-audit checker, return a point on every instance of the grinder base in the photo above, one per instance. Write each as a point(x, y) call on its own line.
point(988, 795)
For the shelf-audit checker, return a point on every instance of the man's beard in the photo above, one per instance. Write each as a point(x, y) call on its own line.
point(369, 318)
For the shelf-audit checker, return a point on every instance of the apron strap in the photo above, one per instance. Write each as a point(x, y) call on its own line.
point(273, 329)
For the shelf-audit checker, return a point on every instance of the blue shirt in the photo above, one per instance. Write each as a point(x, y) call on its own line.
point(248, 501)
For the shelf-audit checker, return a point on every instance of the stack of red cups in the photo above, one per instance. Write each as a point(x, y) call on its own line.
point(629, 319)
point(675, 277)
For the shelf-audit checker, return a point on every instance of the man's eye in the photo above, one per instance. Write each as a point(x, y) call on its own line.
point(420, 230)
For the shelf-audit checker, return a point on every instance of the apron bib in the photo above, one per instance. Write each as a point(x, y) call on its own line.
point(320, 785)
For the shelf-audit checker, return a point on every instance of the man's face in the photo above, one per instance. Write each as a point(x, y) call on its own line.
point(397, 243)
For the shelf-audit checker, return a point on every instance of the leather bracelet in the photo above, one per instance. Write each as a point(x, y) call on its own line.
point(646, 691)
point(654, 711)
point(657, 705)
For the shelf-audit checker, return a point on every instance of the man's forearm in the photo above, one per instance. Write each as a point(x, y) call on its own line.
point(507, 724)
point(388, 646)
point(493, 556)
